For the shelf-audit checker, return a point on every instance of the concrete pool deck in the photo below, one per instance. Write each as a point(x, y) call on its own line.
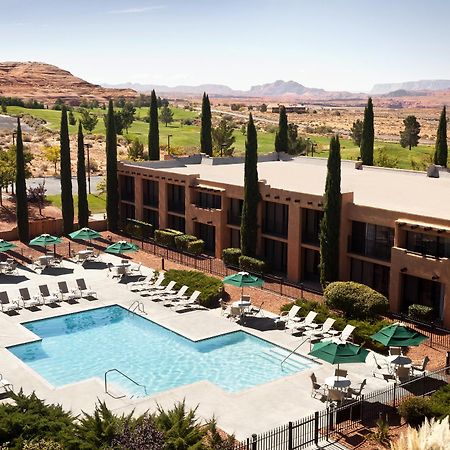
point(253, 410)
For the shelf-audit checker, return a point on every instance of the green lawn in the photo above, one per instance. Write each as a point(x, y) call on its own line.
point(97, 203)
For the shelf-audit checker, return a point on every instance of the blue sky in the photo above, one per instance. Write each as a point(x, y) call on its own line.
point(332, 44)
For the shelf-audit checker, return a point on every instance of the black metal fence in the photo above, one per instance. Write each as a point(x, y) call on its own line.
point(334, 422)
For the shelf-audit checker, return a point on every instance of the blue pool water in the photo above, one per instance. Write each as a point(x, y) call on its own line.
point(83, 345)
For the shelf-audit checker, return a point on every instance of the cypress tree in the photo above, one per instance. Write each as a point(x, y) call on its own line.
point(66, 175)
point(21, 189)
point(281, 138)
point(112, 187)
point(83, 207)
point(330, 224)
point(153, 133)
point(205, 132)
point(368, 135)
point(441, 152)
point(249, 222)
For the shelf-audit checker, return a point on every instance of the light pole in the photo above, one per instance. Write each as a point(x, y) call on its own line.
point(168, 143)
point(88, 146)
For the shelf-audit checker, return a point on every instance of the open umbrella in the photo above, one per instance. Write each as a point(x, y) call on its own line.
point(5, 245)
point(335, 353)
point(398, 335)
point(45, 239)
point(242, 279)
point(122, 247)
point(84, 234)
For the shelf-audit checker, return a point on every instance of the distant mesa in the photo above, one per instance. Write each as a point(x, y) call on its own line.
point(405, 93)
point(411, 86)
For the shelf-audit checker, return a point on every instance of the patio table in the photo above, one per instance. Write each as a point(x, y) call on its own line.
point(399, 360)
point(337, 382)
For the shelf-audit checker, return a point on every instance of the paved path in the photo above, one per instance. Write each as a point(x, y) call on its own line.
point(53, 184)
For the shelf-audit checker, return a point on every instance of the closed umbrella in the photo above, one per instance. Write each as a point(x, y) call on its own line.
point(122, 247)
point(398, 335)
point(5, 245)
point(84, 234)
point(242, 279)
point(339, 353)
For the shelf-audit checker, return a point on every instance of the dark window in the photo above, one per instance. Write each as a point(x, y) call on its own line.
point(176, 198)
point(152, 217)
point(426, 244)
point(127, 188)
point(208, 234)
point(276, 217)
point(311, 226)
point(235, 238)
point(423, 292)
point(150, 192)
point(235, 211)
point(375, 276)
point(374, 241)
point(208, 201)
point(176, 222)
point(127, 211)
point(311, 261)
point(275, 253)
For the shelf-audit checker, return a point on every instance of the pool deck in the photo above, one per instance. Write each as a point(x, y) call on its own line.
point(253, 410)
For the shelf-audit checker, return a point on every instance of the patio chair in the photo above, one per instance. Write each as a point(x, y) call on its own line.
point(136, 268)
point(11, 269)
point(256, 310)
point(6, 304)
point(235, 313)
point(5, 384)
point(382, 368)
point(85, 291)
point(113, 271)
point(340, 373)
point(66, 295)
point(27, 300)
point(223, 307)
point(395, 351)
point(188, 303)
point(335, 395)
point(402, 374)
point(353, 393)
point(420, 366)
point(46, 296)
point(306, 322)
point(317, 388)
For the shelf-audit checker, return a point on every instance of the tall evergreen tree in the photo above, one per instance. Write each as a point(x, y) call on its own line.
point(281, 138)
point(249, 223)
point(368, 135)
point(66, 175)
point(441, 152)
point(205, 132)
point(112, 186)
point(330, 224)
point(83, 207)
point(153, 134)
point(21, 189)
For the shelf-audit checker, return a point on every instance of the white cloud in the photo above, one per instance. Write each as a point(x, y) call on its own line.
point(136, 10)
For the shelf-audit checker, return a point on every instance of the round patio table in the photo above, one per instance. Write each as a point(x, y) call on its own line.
point(337, 382)
point(399, 360)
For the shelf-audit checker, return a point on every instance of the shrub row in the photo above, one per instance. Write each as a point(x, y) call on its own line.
point(233, 257)
point(211, 288)
point(421, 312)
point(180, 241)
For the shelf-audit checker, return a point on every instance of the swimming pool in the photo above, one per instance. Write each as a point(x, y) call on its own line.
point(83, 345)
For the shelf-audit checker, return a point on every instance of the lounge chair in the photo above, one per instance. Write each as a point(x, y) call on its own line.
point(66, 295)
point(316, 387)
point(344, 336)
point(190, 302)
point(85, 291)
point(5, 384)
point(136, 268)
point(303, 324)
point(324, 331)
point(420, 366)
point(6, 304)
point(353, 393)
point(159, 295)
point(27, 300)
point(178, 296)
point(289, 316)
point(46, 296)
point(149, 286)
point(140, 284)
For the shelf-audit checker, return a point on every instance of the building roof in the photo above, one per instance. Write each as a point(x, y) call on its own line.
point(391, 189)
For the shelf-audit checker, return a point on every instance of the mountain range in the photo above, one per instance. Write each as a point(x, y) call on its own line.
point(412, 86)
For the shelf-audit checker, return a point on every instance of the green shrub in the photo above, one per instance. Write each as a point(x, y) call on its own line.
point(165, 237)
point(252, 265)
point(175, 232)
point(182, 241)
point(230, 256)
point(211, 288)
point(355, 300)
point(414, 410)
point(42, 444)
point(196, 247)
point(421, 312)
point(364, 329)
point(440, 402)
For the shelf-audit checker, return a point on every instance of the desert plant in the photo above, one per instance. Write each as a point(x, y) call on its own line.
point(415, 410)
point(381, 433)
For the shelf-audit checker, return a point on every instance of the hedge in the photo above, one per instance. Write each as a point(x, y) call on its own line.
point(415, 409)
point(211, 289)
point(164, 237)
point(355, 300)
point(182, 241)
point(252, 265)
point(230, 256)
point(195, 247)
point(421, 312)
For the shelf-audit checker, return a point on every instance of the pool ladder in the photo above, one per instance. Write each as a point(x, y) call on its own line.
point(308, 338)
point(137, 305)
point(127, 377)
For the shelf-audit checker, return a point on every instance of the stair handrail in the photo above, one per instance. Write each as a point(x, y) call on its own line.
point(124, 375)
point(295, 349)
point(137, 305)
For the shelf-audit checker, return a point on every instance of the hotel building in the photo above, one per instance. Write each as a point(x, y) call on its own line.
point(395, 224)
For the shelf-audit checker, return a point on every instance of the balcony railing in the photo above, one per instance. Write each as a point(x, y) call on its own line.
point(370, 248)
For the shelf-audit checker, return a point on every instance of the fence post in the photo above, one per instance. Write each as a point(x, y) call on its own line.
point(290, 442)
point(394, 400)
point(281, 286)
point(210, 265)
point(254, 442)
point(162, 263)
point(431, 333)
point(69, 250)
point(316, 427)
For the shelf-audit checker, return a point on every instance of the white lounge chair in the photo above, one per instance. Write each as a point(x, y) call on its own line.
point(5, 384)
point(6, 304)
point(150, 286)
point(344, 336)
point(66, 295)
point(159, 295)
point(190, 302)
point(27, 300)
point(177, 296)
point(324, 331)
point(46, 296)
point(305, 323)
point(289, 316)
point(85, 291)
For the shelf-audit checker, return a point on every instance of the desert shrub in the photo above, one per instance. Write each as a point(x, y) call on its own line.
point(414, 410)
point(355, 300)
point(181, 241)
point(421, 312)
point(211, 288)
point(143, 436)
point(440, 402)
point(166, 237)
point(42, 444)
point(252, 265)
point(195, 247)
point(230, 256)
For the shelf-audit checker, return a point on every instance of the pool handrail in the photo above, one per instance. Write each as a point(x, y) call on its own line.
point(124, 375)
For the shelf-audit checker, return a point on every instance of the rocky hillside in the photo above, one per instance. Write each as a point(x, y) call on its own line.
point(46, 83)
point(421, 85)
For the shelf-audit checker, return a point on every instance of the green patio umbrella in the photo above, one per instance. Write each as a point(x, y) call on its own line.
point(84, 234)
point(5, 245)
point(398, 335)
point(121, 247)
point(335, 353)
point(45, 239)
point(242, 279)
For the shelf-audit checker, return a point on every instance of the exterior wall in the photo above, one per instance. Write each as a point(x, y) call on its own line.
point(298, 203)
